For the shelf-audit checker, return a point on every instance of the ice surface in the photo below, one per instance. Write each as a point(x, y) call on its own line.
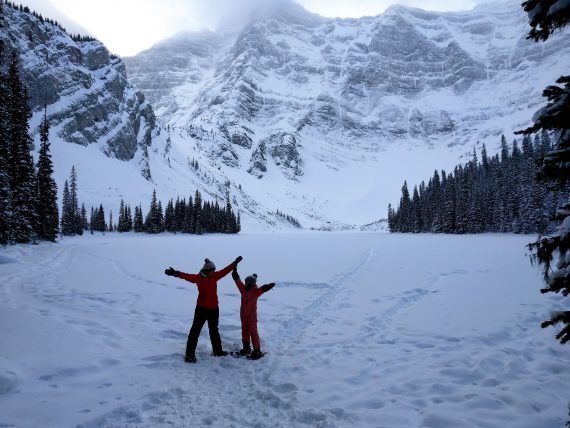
point(362, 329)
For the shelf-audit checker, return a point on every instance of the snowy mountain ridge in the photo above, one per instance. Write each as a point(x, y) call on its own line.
point(85, 87)
point(296, 101)
point(319, 118)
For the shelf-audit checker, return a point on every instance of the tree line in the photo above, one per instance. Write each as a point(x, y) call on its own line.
point(494, 194)
point(194, 216)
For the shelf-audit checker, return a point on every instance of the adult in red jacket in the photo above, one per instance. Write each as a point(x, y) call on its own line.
point(207, 308)
point(248, 312)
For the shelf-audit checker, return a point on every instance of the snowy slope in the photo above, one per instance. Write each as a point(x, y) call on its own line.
point(357, 334)
point(319, 111)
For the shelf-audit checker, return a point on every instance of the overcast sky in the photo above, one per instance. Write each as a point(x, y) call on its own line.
point(128, 26)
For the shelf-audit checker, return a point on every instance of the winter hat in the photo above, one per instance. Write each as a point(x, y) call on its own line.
point(209, 265)
point(251, 280)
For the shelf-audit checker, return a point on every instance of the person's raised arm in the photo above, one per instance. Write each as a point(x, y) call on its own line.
point(221, 273)
point(240, 285)
point(265, 288)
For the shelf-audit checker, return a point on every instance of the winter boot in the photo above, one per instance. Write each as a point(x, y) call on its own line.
point(220, 353)
point(256, 354)
point(190, 359)
point(246, 350)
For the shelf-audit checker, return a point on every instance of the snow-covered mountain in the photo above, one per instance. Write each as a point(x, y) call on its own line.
point(90, 100)
point(319, 118)
point(293, 98)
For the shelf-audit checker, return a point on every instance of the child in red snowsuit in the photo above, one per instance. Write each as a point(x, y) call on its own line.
point(206, 307)
point(248, 312)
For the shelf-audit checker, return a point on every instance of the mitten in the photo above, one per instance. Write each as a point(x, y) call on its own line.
point(171, 272)
point(235, 274)
point(267, 287)
point(239, 259)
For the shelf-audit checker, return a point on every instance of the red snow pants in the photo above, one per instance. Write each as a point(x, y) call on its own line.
point(249, 328)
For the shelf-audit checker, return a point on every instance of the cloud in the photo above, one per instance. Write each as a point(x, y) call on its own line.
point(129, 26)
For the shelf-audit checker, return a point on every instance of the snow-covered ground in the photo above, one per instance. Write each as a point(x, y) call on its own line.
point(362, 329)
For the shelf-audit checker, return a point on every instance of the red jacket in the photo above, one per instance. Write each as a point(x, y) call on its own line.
point(248, 299)
point(207, 286)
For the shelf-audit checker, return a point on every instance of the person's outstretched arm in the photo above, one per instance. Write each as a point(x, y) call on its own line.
point(221, 273)
point(240, 285)
point(177, 274)
point(265, 288)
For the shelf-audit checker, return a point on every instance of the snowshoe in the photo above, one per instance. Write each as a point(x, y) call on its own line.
point(256, 355)
point(245, 351)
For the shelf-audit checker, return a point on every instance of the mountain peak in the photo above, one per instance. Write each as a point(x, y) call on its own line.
point(286, 11)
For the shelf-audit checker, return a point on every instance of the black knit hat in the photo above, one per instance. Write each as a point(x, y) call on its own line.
point(251, 280)
point(208, 266)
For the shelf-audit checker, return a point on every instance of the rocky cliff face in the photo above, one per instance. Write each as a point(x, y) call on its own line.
point(357, 85)
point(89, 99)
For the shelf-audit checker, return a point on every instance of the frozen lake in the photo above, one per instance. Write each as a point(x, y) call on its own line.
point(362, 330)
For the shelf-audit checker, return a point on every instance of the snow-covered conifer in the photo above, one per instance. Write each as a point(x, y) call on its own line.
point(545, 16)
point(21, 165)
point(47, 211)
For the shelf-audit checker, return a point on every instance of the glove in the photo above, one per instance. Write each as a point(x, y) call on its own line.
point(172, 272)
point(235, 274)
point(267, 287)
point(239, 259)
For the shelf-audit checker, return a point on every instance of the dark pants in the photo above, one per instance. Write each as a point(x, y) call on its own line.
point(201, 315)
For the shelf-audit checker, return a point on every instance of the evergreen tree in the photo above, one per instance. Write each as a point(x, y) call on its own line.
point(545, 16)
point(5, 192)
point(154, 217)
point(73, 195)
point(47, 211)
point(21, 166)
point(100, 224)
point(128, 219)
point(84, 221)
point(169, 217)
point(198, 227)
point(189, 224)
point(138, 223)
point(159, 218)
point(67, 216)
point(121, 225)
point(92, 221)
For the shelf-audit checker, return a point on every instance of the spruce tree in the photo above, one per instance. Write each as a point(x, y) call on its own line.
point(128, 219)
point(47, 212)
point(138, 223)
point(73, 194)
point(100, 224)
point(21, 165)
point(121, 225)
point(546, 16)
point(67, 220)
point(5, 193)
point(198, 227)
point(84, 221)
